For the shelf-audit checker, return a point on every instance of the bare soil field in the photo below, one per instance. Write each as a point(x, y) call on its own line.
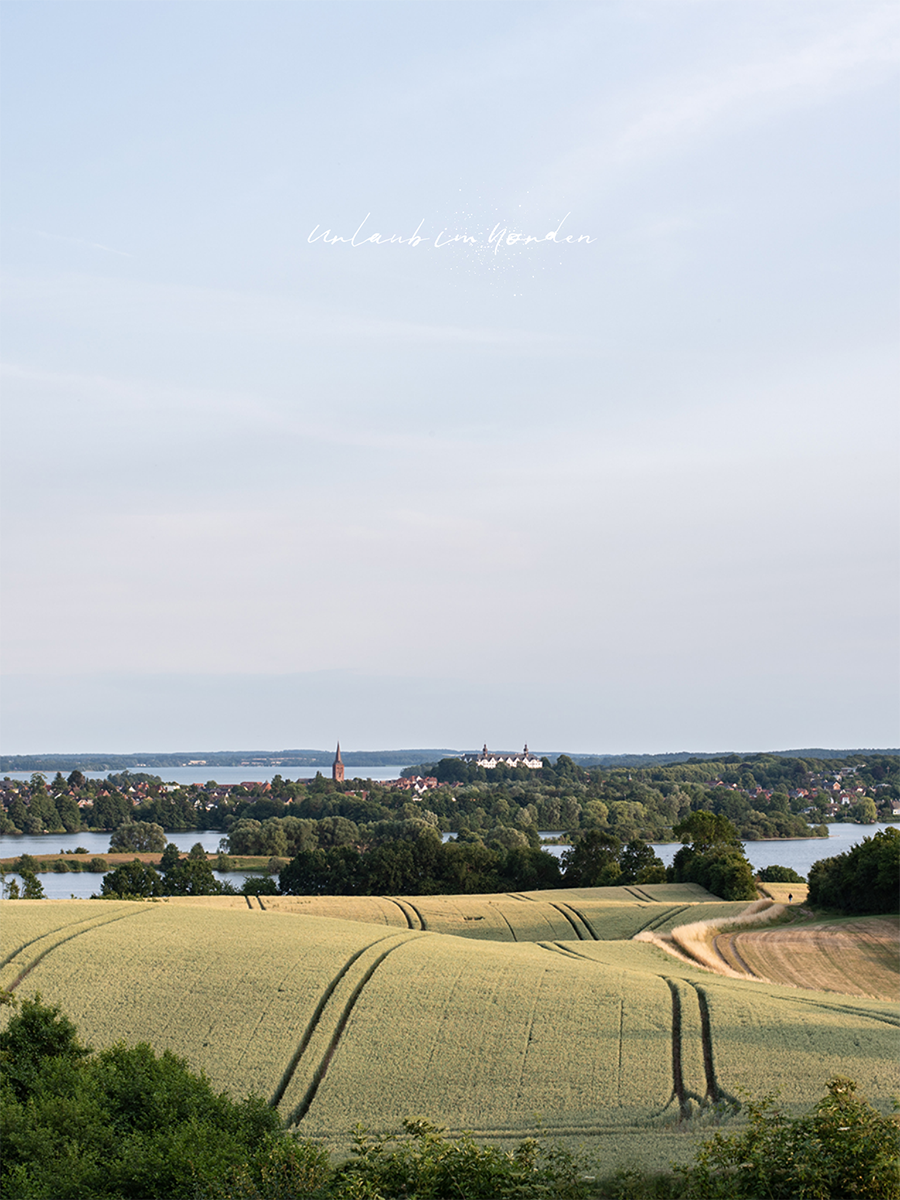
point(856, 956)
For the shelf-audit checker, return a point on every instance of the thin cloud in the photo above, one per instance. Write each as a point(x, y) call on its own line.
point(74, 241)
point(686, 110)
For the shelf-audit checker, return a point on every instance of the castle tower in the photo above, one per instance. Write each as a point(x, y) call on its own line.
point(337, 767)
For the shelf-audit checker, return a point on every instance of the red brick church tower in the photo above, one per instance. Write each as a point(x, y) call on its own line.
point(337, 767)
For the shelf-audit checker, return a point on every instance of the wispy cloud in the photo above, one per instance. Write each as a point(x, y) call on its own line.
point(665, 118)
point(75, 241)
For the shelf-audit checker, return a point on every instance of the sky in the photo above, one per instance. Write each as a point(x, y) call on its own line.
point(431, 374)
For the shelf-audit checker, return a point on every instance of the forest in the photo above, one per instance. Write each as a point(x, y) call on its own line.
point(765, 796)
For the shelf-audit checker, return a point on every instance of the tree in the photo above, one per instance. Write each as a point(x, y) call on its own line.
point(777, 874)
point(138, 837)
point(33, 888)
point(641, 864)
point(131, 880)
point(861, 880)
point(191, 877)
point(170, 857)
point(593, 861)
point(714, 859)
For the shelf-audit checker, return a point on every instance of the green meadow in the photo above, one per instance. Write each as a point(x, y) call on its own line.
point(509, 1016)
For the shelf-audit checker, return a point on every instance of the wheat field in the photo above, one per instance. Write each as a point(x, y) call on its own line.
point(504, 1015)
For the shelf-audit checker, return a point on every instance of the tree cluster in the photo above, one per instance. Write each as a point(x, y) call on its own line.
point(713, 857)
point(419, 864)
point(864, 879)
point(190, 876)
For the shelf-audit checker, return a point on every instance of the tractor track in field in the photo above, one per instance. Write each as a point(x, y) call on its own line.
point(585, 922)
point(569, 916)
point(503, 917)
point(412, 916)
point(94, 924)
point(639, 894)
point(660, 919)
point(679, 990)
point(303, 1107)
point(315, 1021)
point(851, 1010)
point(715, 1093)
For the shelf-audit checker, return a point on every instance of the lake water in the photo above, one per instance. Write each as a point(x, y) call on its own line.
point(798, 853)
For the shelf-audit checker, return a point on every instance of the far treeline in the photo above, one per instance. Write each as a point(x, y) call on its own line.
point(764, 796)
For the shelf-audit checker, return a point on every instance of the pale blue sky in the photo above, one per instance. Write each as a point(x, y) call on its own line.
point(636, 494)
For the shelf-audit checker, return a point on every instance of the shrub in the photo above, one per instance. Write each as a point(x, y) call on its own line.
point(776, 874)
point(122, 1123)
point(99, 865)
point(429, 1166)
point(841, 1150)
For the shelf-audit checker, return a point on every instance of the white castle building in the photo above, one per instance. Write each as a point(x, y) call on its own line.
point(493, 758)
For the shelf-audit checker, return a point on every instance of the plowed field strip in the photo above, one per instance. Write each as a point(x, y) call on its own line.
point(314, 1020)
point(858, 959)
point(61, 942)
point(739, 958)
point(303, 1107)
point(724, 945)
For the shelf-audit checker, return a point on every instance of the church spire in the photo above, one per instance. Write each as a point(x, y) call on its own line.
point(337, 767)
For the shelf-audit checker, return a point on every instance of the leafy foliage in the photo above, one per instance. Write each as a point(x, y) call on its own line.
point(429, 1166)
point(843, 1149)
point(122, 1123)
point(137, 837)
point(861, 880)
point(714, 857)
point(777, 874)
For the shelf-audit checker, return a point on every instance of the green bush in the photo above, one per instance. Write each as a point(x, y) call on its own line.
point(429, 1166)
point(842, 1150)
point(776, 874)
point(121, 1123)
